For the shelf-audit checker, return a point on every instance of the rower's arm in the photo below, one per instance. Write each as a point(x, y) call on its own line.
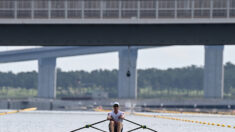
point(109, 117)
point(122, 116)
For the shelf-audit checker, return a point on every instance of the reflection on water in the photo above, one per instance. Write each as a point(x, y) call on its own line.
point(47, 121)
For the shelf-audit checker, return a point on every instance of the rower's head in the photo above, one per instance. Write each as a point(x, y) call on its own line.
point(115, 106)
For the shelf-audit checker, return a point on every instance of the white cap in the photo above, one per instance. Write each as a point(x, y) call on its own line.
point(116, 103)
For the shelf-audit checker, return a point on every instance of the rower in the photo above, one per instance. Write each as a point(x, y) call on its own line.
point(116, 117)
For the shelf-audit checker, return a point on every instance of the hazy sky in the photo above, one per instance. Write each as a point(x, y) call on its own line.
point(162, 58)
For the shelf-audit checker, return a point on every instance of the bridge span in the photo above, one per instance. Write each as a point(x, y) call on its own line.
point(117, 22)
point(127, 84)
point(46, 56)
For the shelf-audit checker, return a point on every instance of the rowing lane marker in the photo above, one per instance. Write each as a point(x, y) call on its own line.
point(17, 111)
point(184, 120)
point(176, 119)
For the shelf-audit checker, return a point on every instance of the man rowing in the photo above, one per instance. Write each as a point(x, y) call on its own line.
point(116, 117)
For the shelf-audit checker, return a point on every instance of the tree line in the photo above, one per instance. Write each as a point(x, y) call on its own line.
point(173, 79)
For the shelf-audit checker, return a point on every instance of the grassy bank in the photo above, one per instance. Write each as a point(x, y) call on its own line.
point(143, 93)
point(6, 92)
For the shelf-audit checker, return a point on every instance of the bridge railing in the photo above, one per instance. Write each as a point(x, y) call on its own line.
point(116, 9)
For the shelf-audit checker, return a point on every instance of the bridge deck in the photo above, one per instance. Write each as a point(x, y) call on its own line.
point(117, 11)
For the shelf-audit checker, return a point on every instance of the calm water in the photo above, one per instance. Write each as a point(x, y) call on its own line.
point(47, 121)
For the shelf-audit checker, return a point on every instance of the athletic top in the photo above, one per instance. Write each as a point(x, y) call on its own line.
point(115, 116)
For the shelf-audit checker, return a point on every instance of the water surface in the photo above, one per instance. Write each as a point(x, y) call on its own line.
point(56, 121)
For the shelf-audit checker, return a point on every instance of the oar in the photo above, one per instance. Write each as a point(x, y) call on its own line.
point(98, 122)
point(87, 126)
point(134, 129)
point(151, 129)
point(133, 122)
point(141, 126)
point(98, 129)
point(78, 129)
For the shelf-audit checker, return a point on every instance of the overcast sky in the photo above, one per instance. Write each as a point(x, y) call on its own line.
point(162, 58)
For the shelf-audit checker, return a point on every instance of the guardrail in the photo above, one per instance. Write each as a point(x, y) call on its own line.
point(116, 9)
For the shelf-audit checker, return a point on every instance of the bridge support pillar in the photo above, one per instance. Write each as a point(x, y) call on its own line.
point(213, 72)
point(127, 75)
point(47, 78)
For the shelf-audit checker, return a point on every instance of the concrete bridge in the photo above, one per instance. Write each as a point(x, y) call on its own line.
point(127, 81)
point(46, 57)
point(117, 22)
